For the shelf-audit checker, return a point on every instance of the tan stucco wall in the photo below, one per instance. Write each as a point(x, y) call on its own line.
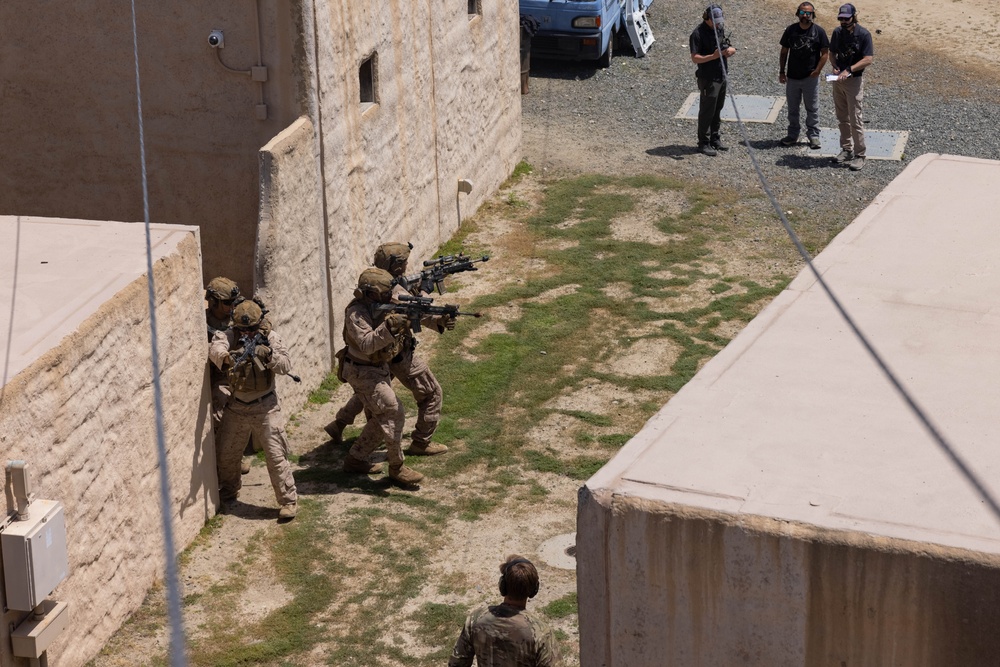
point(82, 416)
point(448, 108)
point(665, 585)
point(69, 125)
point(291, 257)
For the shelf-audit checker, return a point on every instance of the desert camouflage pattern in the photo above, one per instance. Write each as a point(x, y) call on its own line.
point(253, 414)
point(505, 636)
point(367, 340)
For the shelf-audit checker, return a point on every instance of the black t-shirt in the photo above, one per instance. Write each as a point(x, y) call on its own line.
point(847, 48)
point(703, 44)
point(803, 47)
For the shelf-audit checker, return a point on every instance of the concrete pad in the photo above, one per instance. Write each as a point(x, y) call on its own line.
point(879, 144)
point(752, 108)
point(66, 269)
point(790, 485)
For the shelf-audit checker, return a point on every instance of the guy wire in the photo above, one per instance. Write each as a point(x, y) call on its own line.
point(177, 649)
point(910, 401)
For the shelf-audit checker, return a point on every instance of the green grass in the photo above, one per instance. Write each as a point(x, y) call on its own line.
point(322, 394)
point(497, 393)
point(561, 608)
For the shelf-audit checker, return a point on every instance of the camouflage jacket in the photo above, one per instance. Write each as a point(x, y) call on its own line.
point(505, 636)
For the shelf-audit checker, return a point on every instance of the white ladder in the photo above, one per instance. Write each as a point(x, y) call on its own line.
point(638, 27)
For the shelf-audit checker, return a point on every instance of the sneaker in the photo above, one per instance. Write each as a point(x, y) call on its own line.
point(814, 143)
point(706, 149)
point(844, 156)
point(404, 475)
point(288, 511)
point(718, 145)
point(335, 430)
point(857, 164)
point(244, 466)
point(789, 141)
point(430, 449)
point(352, 464)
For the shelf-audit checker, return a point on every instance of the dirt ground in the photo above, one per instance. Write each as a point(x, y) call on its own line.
point(463, 569)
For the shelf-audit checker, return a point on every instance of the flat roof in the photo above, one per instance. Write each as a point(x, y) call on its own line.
point(65, 270)
point(794, 421)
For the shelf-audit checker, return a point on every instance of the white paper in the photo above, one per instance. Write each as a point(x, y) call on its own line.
point(830, 78)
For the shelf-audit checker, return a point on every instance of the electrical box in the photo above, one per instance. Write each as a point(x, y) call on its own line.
point(36, 633)
point(34, 555)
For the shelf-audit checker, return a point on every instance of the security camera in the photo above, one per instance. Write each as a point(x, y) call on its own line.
point(216, 39)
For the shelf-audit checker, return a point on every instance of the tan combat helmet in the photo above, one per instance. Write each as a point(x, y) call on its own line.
point(392, 257)
point(247, 315)
point(375, 283)
point(222, 289)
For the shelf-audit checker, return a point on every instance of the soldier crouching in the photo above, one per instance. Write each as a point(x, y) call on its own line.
point(373, 338)
point(253, 410)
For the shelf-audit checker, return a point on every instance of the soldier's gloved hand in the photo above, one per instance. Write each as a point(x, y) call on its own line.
point(449, 322)
point(263, 352)
point(265, 327)
point(227, 362)
point(396, 323)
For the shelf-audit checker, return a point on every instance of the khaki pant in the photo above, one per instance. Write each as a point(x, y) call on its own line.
point(848, 98)
point(414, 374)
point(261, 421)
point(373, 387)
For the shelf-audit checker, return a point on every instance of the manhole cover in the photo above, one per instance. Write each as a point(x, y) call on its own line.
point(879, 144)
point(559, 551)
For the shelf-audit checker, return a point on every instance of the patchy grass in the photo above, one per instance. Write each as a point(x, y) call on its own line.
point(351, 571)
point(322, 394)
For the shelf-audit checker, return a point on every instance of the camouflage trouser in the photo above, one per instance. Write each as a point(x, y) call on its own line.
point(414, 374)
point(220, 398)
point(262, 422)
point(373, 388)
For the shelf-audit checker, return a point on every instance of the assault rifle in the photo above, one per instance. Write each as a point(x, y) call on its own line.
point(250, 344)
point(417, 308)
point(437, 270)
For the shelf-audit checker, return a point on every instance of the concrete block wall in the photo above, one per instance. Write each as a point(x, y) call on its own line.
point(82, 416)
point(663, 584)
point(447, 107)
point(291, 257)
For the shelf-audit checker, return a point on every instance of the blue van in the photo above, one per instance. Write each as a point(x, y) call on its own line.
point(585, 29)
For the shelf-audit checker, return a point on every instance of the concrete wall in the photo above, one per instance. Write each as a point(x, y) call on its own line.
point(69, 124)
point(82, 416)
point(787, 507)
point(448, 107)
point(291, 257)
point(665, 585)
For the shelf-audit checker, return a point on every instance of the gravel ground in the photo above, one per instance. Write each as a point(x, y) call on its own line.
point(577, 118)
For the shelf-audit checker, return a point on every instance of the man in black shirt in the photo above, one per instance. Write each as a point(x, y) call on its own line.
point(852, 50)
point(805, 48)
point(706, 54)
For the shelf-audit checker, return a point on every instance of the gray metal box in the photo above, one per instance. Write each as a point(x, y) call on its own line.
point(34, 555)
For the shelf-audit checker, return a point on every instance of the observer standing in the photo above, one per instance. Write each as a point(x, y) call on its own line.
point(710, 51)
point(853, 52)
point(804, 50)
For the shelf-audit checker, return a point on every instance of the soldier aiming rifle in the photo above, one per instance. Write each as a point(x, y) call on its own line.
point(432, 277)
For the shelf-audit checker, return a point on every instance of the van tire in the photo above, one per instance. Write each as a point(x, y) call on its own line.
point(605, 61)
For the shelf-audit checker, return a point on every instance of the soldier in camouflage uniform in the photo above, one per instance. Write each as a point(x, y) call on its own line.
point(373, 338)
point(253, 410)
point(221, 295)
point(411, 371)
point(507, 635)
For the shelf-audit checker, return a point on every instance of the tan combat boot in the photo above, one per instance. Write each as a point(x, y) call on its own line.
point(429, 449)
point(335, 430)
point(404, 475)
point(288, 511)
point(245, 466)
point(352, 464)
